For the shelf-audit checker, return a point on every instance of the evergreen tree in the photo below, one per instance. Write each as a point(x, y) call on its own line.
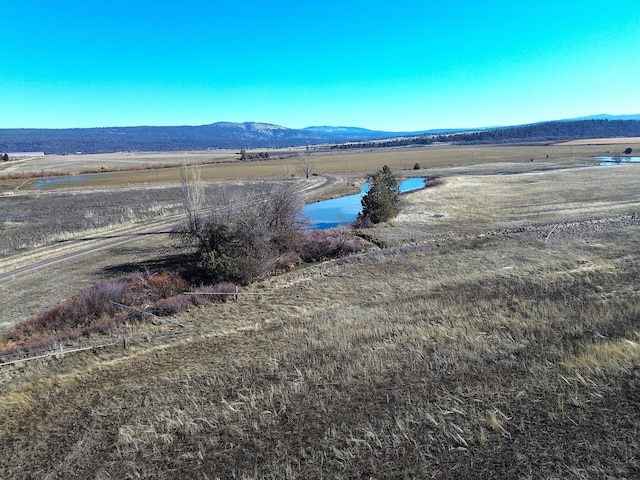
point(390, 183)
point(381, 200)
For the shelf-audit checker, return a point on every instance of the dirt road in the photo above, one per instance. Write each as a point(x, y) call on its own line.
point(78, 248)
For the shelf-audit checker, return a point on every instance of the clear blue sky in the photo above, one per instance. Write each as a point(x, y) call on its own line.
point(397, 66)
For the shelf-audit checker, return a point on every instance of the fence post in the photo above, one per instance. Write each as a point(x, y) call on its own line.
point(235, 298)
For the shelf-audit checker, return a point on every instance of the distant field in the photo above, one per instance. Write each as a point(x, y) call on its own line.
point(122, 160)
point(628, 141)
point(143, 168)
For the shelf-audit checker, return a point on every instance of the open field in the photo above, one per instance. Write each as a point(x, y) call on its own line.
point(630, 141)
point(142, 166)
point(122, 160)
point(496, 335)
point(52, 219)
point(51, 226)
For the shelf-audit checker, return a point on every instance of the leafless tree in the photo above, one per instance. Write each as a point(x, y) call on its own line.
point(308, 164)
point(193, 197)
point(246, 227)
point(287, 172)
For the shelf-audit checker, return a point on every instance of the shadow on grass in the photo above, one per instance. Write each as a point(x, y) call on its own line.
point(166, 262)
point(111, 236)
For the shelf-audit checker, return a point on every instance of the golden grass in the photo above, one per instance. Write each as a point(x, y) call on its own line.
point(482, 204)
point(627, 141)
point(285, 162)
point(469, 348)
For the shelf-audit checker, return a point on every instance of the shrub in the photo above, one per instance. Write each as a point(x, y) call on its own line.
point(251, 227)
point(287, 260)
point(165, 284)
point(171, 305)
point(92, 311)
point(325, 244)
point(416, 166)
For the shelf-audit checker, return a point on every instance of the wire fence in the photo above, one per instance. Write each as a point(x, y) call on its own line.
point(61, 350)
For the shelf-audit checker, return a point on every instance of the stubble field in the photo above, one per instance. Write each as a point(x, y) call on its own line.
point(496, 334)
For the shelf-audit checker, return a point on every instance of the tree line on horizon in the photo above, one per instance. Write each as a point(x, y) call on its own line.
point(539, 132)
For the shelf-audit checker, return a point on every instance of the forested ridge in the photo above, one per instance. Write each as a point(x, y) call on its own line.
point(538, 132)
point(259, 135)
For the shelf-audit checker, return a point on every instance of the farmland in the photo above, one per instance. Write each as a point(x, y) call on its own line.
point(494, 332)
point(131, 169)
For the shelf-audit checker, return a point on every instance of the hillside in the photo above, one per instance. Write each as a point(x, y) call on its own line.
point(552, 131)
point(561, 130)
point(204, 137)
point(264, 135)
point(103, 140)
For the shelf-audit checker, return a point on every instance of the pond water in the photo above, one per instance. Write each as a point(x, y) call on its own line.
point(49, 182)
point(617, 160)
point(344, 210)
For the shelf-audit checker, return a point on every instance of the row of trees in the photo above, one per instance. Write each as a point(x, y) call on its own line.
point(538, 132)
point(244, 155)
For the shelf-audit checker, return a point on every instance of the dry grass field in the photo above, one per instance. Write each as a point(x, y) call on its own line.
point(604, 141)
point(139, 169)
point(496, 334)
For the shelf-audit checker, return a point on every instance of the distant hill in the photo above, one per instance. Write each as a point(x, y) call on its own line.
point(350, 134)
point(213, 136)
point(604, 116)
point(264, 135)
point(551, 132)
point(114, 139)
point(555, 131)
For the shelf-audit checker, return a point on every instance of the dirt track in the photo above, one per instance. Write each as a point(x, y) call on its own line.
point(79, 248)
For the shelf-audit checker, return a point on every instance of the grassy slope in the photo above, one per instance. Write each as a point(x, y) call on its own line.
point(470, 348)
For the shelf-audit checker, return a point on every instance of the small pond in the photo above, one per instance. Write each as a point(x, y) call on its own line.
point(50, 182)
point(344, 210)
point(604, 161)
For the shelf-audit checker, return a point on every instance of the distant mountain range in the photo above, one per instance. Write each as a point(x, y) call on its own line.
point(264, 135)
point(351, 134)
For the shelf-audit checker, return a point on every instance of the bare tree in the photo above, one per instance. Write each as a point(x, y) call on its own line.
point(308, 164)
point(287, 172)
point(246, 229)
point(193, 198)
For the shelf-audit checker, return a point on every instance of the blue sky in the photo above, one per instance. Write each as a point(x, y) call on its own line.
point(398, 66)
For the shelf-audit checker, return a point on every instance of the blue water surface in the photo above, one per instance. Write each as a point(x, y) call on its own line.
point(344, 210)
point(617, 160)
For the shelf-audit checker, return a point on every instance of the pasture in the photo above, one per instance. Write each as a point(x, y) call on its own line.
point(493, 333)
point(137, 169)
